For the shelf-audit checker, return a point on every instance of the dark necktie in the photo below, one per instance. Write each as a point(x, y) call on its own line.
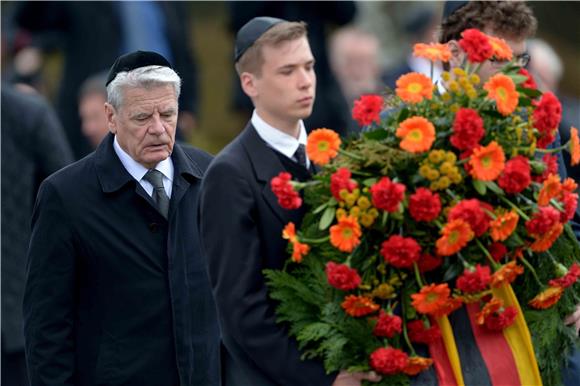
point(300, 155)
point(155, 177)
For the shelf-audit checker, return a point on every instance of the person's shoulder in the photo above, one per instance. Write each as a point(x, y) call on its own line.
point(71, 177)
point(201, 158)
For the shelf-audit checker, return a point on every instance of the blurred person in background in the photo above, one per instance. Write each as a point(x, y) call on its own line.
point(92, 99)
point(354, 60)
point(33, 147)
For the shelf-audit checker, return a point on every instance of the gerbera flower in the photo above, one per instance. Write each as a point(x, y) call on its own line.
point(359, 305)
point(506, 274)
point(414, 87)
point(569, 185)
point(431, 299)
point(289, 232)
point(546, 240)
point(418, 134)
point(547, 298)
point(432, 51)
point(299, 250)
point(502, 90)
point(322, 145)
point(487, 162)
point(503, 226)
point(501, 50)
point(490, 307)
point(367, 109)
point(417, 364)
point(551, 188)
point(345, 235)
point(455, 235)
point(574, 146)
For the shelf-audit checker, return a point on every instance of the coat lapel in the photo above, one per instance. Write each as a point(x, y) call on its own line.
point(186, 172)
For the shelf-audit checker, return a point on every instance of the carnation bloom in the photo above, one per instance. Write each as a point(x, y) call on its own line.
point(418, 333)
point(476, 44)
point(424, 205)
point(502, 90)
point(432, 51)
point(547, 298)
point(417, 364)
point(501, 50)
point(516, 175)
point(388, 361)
point(546, 240)
point(359, 305)
point(542, 221)
point(387, 195)
point(548, 113)
point(345, 235)
point(467, 129)
point(487, 162)
point(367, 109)
point(570, 201)
point(503, 226)
point(400, 252)
point(472, 211)
point(387, 325)
point(288, 198)
point(322, 145)
point(506, 274)
point(455, 235)
point(501, 319)
point(574, 146)
point(551, 188)
point(340, 180)
point(568, 279)
point(475, 279)
point(529, 82)
point(545, 139)
point(417, 133)
point(429, 262)
point(342, 277)
point(551, 167)
point(497, 250)
point(414, 87)
point(432, 299)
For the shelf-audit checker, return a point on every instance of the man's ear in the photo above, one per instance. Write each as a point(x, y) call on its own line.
point(111, 114)
point(248, 82)
point(457, 54)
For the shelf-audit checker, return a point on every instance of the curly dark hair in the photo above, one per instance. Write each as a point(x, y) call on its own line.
point(512, 19)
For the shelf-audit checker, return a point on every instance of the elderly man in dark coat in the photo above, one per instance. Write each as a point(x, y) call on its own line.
point(116, 289)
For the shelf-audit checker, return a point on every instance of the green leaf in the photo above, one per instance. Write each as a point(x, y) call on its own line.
point(327, 218)
point(532, 93)
point(370, 182)
point(320, 208)
point(479, 186)
point(518, 78)
point(494, 188)
point(377, 135)
point(403, 115)
point(524, 102)
point(453, 271)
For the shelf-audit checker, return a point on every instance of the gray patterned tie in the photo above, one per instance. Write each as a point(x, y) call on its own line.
point(300, 155)
point(155, 177)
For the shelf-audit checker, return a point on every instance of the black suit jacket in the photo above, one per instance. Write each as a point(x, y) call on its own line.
point(241, 227)
point(115, 293)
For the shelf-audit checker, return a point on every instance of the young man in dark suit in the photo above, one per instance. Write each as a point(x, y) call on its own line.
point(241, 221)
point(116, 290)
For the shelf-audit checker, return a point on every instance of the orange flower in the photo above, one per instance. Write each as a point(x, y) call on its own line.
point(417, 364)
point(431, 299)
point(502, 89)
point(413, 87)
point(359, 305)
point(432, 51)
point(455, 235)
point(569, 185)
point(545, 241)
point(345, 235)
point(501, 50)
point(574, 146)
point(547, 298)
point(506, 274)
point(490, 307)
point(322, 145)
point(289, 232)
point(550, 189)
point(299, 250)
point(418, 134)
point(487, 162)
point(503, 226)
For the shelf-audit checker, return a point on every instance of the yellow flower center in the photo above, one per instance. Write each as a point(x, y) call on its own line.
point(347, 233)
point(323, 146)
point(486, 162)
point(453, 237)
point(415, 135)
point(501, 93)
point(432, 297)
point(415, 87)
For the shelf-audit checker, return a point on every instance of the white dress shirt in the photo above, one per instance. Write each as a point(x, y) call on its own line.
point(138, 171)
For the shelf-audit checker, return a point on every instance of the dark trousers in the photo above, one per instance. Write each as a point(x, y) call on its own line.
point(13, 369)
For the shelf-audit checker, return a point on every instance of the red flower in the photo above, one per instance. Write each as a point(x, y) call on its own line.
point(467, 129)
point(418, 333)
point(342, 277)
point(387, 195)
point(530, 82)
point(424, 205)
point(497, 250)
point(546, 138)
point(474, 280)
point(548, 113)
point(428, 262)
point(551, 164)
point(388, 361)
point(568, 279)
point(388, 325)
point(476, 44)
point(341, 180)
point(516, 175)
point(400, 252)
point(543, 220)
point(367, 109)
point(288, 198)
point(472, 212)
point(570, 201)
point(499, 320)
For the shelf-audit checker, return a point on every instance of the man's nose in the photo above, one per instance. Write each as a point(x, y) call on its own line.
point(156, 124)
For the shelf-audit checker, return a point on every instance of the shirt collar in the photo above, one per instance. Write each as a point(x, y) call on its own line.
point(136, 170)
point(277, 139)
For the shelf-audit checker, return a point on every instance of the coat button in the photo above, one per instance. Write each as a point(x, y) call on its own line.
point(154, 227)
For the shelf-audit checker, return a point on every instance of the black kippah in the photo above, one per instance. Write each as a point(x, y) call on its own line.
point(135, 60)
point(452, 6)
point(251, 31)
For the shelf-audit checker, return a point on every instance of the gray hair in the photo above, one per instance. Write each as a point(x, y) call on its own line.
point(144, 77)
